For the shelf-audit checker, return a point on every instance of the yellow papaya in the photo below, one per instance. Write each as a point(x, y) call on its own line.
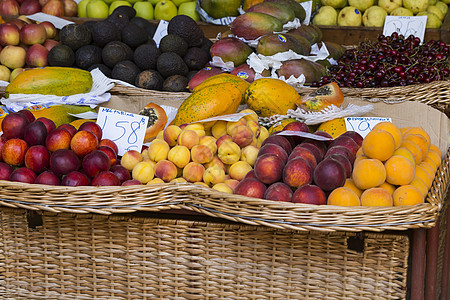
point(269, 96)
point(334, 127)
point(221, 78)
point(210, 101)
point(59, 81)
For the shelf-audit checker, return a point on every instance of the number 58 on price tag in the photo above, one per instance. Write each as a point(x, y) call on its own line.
point(127, 130)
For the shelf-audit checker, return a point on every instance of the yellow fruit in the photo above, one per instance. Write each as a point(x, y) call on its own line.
point(343, 196)
point(278, 126)
point(407, 195)
point(393, 130)
point(378, 144)
point(368, 173)
point(334, 127)
point(399, 170)
point(376, 197)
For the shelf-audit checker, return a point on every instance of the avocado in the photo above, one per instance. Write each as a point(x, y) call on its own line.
point(61, 56)
point(115, 52)
point(175, 83)
point(126, 71)
point(187, 28)
point(87, 56)
point(105, 32)
point(196, 58)
point(206, 45)
point(149, 27)
point(104, 69)
point(120, 20)
point(170, 63)
point(150, 80)
point(90, 24)
point(133, 35)
point(145, 56)
point(129, 11)
point(173, 43)
point(75, 36)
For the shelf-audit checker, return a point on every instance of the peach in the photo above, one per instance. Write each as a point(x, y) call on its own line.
point(231, 125)
point(329, 174)
point(170, 134)
point(201, 154)
point(376, 196)
point(222, 139)
point(269, 168)
point(309, 194)
point(338, 149)
point(92, 127)
point(201, 183)
point(158, 150)
point(213, 175)
point(278, 140)
point(405, 152)
point(274, 149)
point(242, 135)
point(155, 180)
point(347, 142)
point(197, 127)
point(229, 152)
point(278, 191)
point(179, 155)
point(222, 187)
point(215, 162)
point(239, 169)
point(303, 153)
point(58, 139)
point(251, 187)
point(143, 171)
point(314, 149)
point(219, 129)
point(160, 135)
point(210, 142)
point(355, 136)
point(179, 180)
point(13, 152)
point(232, 183)
point(193, 172)
point(109, 143)
point(263, 134)
point(345, 163)
point(251, 174)
point(254, 127)
point(297, 172)
point(249, 154)
point(166, 170)
point(250, 115)
point(110, 152)
point(343, 196)
point(83, 142)
point(130, 159)
point(188, 138)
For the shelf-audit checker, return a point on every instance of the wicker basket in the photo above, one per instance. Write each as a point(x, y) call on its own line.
point(253, 211)
point(90, 256)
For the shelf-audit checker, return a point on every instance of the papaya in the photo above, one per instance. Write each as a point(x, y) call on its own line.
point(60, 114)
point(210, 101)
point(240, 83)
point(334, 127)
point(269, 96)
point(157, 120)
point(322, 97)
point(59, 81)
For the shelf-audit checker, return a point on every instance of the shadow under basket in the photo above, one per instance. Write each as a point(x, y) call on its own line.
point(91, 256)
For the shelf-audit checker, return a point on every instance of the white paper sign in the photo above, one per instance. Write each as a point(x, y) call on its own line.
point(57, 21)
point(127, 130)
point(405, 25)
point(307, 6)
point(363, 125)
point(304, 134)
point(161, 31)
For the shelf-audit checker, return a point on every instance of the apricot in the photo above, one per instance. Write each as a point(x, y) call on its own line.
point(388, 187)
point(188, 138)
point(251, 115)
point(414, 149)
point(143, 171)
point(201, 154)
point(403, 129)
point(405, 152)
point(420, 141)
point(436, 148)
point(239, 169)
point(249, 154)
point(399, 170)
point(424, 175)
point(232, 183)
point(407, 195)
point(222, 187)
point(360, 157)
point(430, 162)
point(130, 159)
point(193, 172)
point(197, 127)
point(420, 184)
point(155, 180)
point(170, 134)
point(242, 135)
point(378, 144)
point(229, 152)
point(213, 175)
point(349, 183)
point(158, 150)
point(210, 142)
point(420, 131)
point(166, 170)
point(222, 139)
point(254, 127)
point(435, 156)
point(368, 173)
point(179, 180)
point(219, 129)
point(231, 125)
point(263, 134)
point(376, 197)
point(343, 196)
point(179, 155)
point(392, 129)
point(201, 183)
point(160, 135)
point(428, 168)
point(215, 162)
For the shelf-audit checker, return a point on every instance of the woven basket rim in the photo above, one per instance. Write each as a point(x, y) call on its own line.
point(108, 200)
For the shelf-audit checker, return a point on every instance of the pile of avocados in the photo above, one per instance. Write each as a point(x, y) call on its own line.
point(122, 47)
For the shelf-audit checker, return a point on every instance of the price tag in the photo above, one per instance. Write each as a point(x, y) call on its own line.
point(405, 25)
point(363, 125)
point(161, 31)
point(127, 130)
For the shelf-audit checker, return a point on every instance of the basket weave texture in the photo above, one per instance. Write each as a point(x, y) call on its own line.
point(89, 256)
point(253, 211)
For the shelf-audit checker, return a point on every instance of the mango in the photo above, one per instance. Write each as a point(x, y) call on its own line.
point(307, 32)
point(221, 8)
point(271, 44)
point(303, 41)
point(252, 25)
point(311, 70)
point(293, 5)
point(277, 10)
point(231, 49)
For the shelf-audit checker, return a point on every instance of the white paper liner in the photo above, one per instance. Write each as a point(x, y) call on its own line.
point(313, 118)
point(98, 94)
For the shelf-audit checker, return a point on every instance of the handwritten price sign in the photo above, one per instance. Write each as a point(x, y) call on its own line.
point(127, 130)
point(363, 125)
